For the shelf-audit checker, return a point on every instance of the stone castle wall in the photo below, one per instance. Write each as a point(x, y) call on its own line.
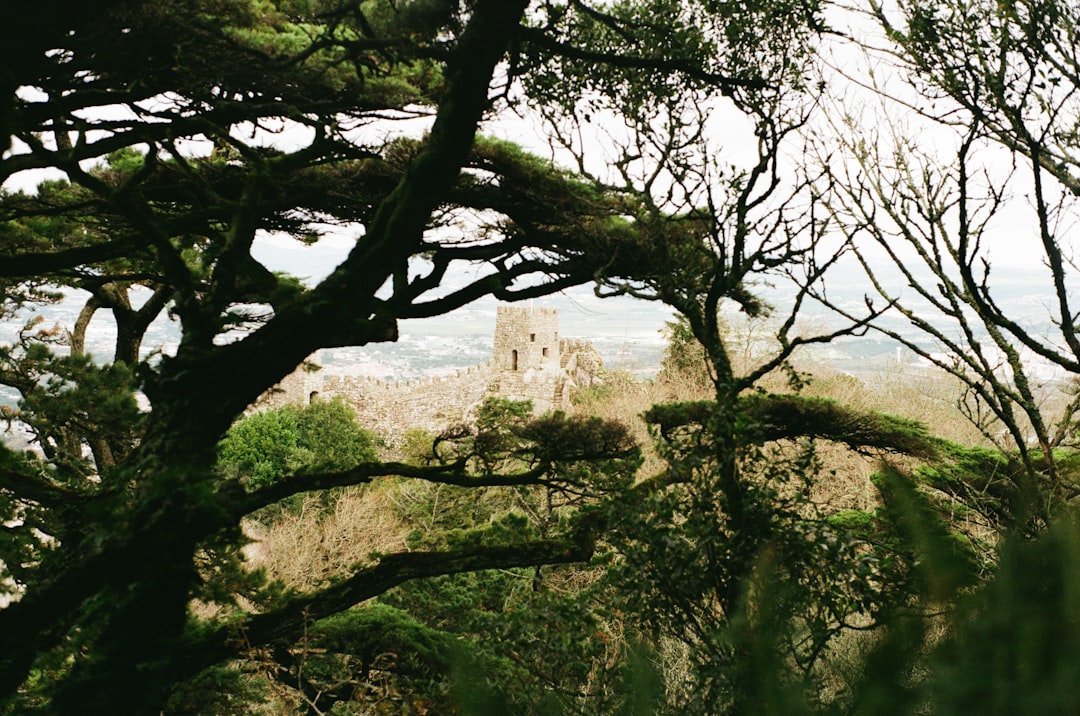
point(428, 403)
point(529, 362)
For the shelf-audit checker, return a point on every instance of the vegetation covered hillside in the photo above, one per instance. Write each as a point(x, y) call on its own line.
point(698, 152)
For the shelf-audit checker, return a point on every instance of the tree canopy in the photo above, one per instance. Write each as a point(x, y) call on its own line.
point(172, 127)
point(157, 144)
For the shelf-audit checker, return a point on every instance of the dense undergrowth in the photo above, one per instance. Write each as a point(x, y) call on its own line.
point(876, 567)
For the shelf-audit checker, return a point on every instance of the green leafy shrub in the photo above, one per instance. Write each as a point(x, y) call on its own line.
point(324, 436)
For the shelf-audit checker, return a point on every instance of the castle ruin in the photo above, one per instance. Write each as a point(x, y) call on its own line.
point(529, 362)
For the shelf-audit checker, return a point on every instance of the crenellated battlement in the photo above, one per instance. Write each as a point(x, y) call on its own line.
point(344, 381)
point(529, 362)
point(528, 312)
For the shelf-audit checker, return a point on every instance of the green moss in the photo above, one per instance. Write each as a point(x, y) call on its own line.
point(378, 628)
point(855, 520)
point(767, 417)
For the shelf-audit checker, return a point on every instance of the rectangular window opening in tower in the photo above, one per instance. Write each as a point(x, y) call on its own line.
point(532, 338)
point(545, 351)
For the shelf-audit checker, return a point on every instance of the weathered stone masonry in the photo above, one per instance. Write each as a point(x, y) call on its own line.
point(529, 361)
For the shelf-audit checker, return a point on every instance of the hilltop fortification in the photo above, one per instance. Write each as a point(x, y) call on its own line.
point(529, 361)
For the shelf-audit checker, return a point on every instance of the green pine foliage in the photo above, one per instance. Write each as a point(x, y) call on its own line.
point(532, 564)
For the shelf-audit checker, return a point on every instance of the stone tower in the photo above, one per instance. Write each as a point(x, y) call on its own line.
point(526, 339)
point(529, 362)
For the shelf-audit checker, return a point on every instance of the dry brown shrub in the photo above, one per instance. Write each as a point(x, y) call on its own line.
point(312, 545)
point(906, 391)
point(624, 398)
